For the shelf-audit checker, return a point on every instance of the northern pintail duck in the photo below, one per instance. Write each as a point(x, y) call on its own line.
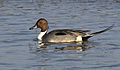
point(63, 35)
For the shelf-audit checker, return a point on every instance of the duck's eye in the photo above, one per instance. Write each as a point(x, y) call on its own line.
point(60, 33)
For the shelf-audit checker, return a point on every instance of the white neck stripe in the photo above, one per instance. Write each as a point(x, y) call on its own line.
point(41, 35)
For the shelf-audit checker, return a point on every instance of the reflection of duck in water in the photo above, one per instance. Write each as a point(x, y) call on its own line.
point(64, 47)
point(63, 35)
point(76, 47)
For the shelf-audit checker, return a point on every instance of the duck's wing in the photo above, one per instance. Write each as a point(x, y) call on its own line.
point(73, 30)
point(82, 31)
point(62, 35)
point(69, 32)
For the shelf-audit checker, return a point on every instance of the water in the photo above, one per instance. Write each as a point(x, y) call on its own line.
point(18, 48)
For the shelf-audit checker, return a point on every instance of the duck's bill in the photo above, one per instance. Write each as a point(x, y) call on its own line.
point(33, 27)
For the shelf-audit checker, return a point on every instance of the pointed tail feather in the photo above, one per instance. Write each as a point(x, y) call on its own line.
point(99, 32)
point(95, 33)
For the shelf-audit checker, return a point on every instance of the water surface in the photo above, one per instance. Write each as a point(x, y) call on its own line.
point(18, 48)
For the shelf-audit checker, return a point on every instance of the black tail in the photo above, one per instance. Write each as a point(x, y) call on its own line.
point(95, 33)
point(99, 32)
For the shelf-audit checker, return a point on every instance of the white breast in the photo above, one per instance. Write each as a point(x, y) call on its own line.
point(79, 39)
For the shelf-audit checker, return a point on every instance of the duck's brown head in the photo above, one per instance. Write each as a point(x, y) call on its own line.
point(42, 24)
